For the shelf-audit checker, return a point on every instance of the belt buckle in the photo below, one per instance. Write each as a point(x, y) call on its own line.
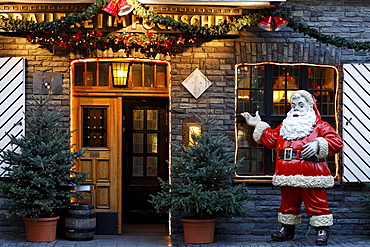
point(288, 154)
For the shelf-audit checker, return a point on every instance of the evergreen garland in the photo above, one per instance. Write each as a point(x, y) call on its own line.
point(324, 38)
point(194, 30)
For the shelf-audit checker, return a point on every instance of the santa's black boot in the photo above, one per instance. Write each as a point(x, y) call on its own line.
point(322, 235)
point(285, 233)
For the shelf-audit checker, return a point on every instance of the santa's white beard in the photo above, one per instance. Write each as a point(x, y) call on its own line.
point(294, 128)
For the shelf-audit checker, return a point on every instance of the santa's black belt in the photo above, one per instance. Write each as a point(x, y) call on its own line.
point(290, 154)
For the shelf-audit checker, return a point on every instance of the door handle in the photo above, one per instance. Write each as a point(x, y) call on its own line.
point(17, 124)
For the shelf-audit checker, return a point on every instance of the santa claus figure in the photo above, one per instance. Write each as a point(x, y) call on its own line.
point(302, 142)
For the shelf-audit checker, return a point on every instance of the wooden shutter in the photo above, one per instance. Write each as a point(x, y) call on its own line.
point(12, 101)
point(356, 123)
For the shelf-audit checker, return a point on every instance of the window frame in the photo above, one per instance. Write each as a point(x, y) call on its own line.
point(130, 85)
point(275, 119)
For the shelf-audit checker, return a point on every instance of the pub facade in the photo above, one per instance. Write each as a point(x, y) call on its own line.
point(130, 82)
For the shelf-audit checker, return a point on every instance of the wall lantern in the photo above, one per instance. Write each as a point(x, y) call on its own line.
point(190, 127)
point(269, 25)
point(120, 74)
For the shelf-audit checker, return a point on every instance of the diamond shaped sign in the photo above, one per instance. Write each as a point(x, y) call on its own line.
point(196, 83)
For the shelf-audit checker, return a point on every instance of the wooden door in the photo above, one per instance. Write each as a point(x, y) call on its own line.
point(145, 155)
point(98, 124)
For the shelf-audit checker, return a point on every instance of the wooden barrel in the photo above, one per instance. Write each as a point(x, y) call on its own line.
point(80, 222)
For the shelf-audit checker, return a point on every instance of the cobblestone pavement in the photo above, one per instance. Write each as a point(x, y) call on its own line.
point(161, 241)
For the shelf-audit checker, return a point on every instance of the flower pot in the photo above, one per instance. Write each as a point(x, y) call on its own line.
point(199, 231)
point(41, 229)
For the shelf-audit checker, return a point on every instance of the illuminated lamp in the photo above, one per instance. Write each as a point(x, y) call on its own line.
point(111, 8)
point(280, 23)
point(120, 74)
point(124, 8)
point(266, 23)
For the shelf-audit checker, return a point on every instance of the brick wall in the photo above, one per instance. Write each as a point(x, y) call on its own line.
point(217, 59)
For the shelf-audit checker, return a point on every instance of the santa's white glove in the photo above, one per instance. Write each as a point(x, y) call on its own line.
point(252, 121)
point(309, 150)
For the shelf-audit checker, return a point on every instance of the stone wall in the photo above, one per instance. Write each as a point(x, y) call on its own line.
point(216, 59)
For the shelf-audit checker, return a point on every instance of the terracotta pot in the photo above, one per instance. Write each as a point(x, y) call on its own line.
point(41, 229)
point(199, 231)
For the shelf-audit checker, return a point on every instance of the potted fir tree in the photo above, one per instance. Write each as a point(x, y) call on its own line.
point(40, 170)
point(201, 184)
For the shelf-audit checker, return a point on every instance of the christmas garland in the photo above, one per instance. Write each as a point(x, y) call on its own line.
point(147, 41)
point(193, 30)
point(324, 38)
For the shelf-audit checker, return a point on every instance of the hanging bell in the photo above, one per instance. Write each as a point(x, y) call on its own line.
point(266, 23)
point(280, 23)
point(111, 8)
point(124, 8)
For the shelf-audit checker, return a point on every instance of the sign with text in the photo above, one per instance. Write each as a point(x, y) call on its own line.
point(104, 22)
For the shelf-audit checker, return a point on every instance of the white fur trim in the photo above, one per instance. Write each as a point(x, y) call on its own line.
point(303, 181)
point(323, 148)
point(321, 220)
point(258, 131)
point(289, 219)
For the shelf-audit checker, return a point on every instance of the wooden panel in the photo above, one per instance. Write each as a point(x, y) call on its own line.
point(102, 170)
point(87, 166)
point(102, 198)
point(356, 123)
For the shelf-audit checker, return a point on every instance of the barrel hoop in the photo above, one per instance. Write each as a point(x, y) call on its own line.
point(79, 216)
point(71, 230)
point(81, 206)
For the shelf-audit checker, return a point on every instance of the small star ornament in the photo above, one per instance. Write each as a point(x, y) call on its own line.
point(196, 83)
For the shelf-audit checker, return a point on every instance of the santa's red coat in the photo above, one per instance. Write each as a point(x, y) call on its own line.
point(297, 172)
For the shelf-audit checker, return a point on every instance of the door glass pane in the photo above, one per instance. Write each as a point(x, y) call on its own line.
point(152, 143)
point(161, 75)
point(243, 100)
point(151, 166)
point(152, 119)
point(244, 135)
point(244, 77)
point(281, 101)
point(137, 166)
point(252, 163)
point(103, 74)
point(286, 77)
point(149, 75)
point(138, 142)
point(94, 127)
point(251, 101)
point(258, 76)
point(138, 119)
point(78, 76)
point(322, 84)
point(90, 74)
point(136, 75)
